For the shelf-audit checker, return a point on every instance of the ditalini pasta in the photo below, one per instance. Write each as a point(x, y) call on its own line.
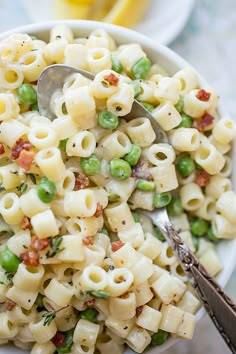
point(82, 270)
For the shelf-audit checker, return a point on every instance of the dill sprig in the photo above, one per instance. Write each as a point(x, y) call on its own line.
point(50, 315)
point(54, 243)
point(97, 294)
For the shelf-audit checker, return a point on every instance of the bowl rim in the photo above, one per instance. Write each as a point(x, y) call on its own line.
point(145, 42)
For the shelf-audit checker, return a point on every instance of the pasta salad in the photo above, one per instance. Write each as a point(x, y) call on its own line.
point(82, 269)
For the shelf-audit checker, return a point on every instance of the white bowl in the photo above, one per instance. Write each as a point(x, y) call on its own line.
point(171, 62)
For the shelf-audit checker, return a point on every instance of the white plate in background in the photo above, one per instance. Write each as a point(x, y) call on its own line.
point(164, 19)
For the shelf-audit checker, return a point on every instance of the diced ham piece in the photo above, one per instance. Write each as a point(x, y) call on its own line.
point(203, 95)
point(25, 159)
point(30, 258)
point(2, 149)
point(116, 245)
point(81, 182)
point(90, 303)
point(111, 79)
point(25, 224)
point(38, 244)
point(58, 339)
point(142, 170)
point(205, 122)
point(88, 241)
point(9, 304)
point(99, 210)
point(18, 147)
point(202, 179)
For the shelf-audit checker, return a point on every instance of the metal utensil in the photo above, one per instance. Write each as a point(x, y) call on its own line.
point(218, 305)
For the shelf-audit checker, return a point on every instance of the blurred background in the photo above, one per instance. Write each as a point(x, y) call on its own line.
point(201, 31)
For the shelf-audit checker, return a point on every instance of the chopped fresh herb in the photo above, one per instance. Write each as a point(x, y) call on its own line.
point(7, 279)
point(66, 348)
point(22, 188)
point(2, 189)
point(90, 314)
point(32, 177)
point(98, 294)
point(50, 315)
point(54, 243)
point(112, 196)
point(39, 301)
point(62, 144)
point(159, 234)
point(104, 231)
point(135, 216)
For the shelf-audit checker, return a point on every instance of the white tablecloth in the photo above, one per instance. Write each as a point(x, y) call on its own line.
point(208, 42)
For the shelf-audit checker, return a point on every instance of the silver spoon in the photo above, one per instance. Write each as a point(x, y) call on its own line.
point(218, 305)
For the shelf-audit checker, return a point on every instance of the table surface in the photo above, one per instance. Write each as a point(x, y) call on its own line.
point(208, 42)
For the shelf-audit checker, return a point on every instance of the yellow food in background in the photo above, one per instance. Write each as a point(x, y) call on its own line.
point(120, 12)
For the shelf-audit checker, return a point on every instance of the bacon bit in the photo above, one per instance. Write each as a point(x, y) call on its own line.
point(121, 278)
point(1, 121)
point(30, 258)
point(25, 224)
point(38, 244)
point(203, 123)
point(81, 182)
point(87, 241)
point(116, 245)
point(142, 170)
point(202, 179)
point(9, 305)
point(139, 310)
point(203, 95)
point(58, 339)
point(99, 210)
point(25, 159)
point(90, 303)
point(18, 147)
point(2, 149)
point(112, 79)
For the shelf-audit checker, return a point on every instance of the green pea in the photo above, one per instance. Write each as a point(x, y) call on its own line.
point(120, 169)
point(144, 185)
point(186, 166)
point(62, 144)
point(90, 165)
point(136, 87)
point(35, 107)
point(9, 261)
point(135, 216)
point(89, 314)
point(108, 120)
point(68, 338)
point(159, 234)
point(175, 207)
point(46, 190)
point(26, 94)
point(134, 155)
point(180, 104)
point(160, 337)
point(141, 69)
point(161, 200)
point(199, 227)
point(116, 64)
point(148, 106)
point(186, 121)
point(211, 236)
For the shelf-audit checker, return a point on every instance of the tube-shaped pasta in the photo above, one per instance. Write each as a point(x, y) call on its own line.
point(8, 106)
point(98, 59)
point(168, 89)
point(81, 203)
point(11, 77)
point(120, 143)
point(217, 186)
point(167, 116)
point(226, 205)
point(165, 178)
point(10, 209)
point(43, 137)
point(81, 144)
point(130, 54)
point(140, 132)
point(119, 216)
point(224, 130)
point(8, 179)
point(64, 126)
point(58, 292)
point(11, 131)
point(121, 102)
point(160, 154)
point(45, 224)
point(118, 282)
point(100, 86)
point(123, 308)
point(93, 277)
point(51, 164)
point(188, 78)
point(209, 158)
point(42, 333)
point(76, 55)
point(185, 139)
point(31, 204)
point(193, 106)
point(191, 196)
point(28, 278)
point(8, 329)
point(32, 64)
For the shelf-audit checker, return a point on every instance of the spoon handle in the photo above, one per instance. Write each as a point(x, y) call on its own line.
point(218, 305)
